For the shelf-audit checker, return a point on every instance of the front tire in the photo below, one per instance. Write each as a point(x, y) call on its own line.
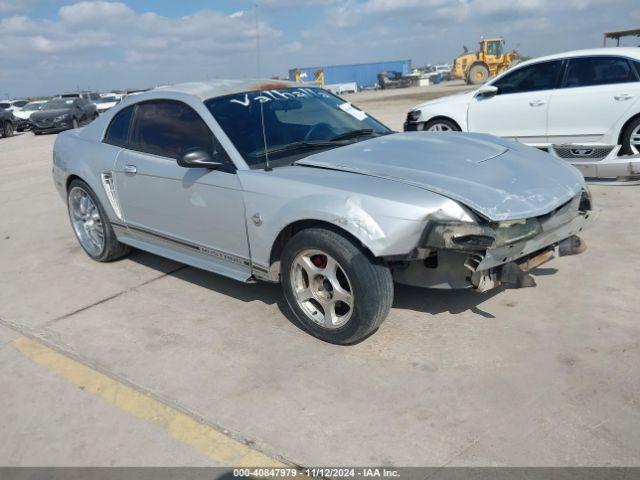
point(441, 125)
point(7, 130)
point(478, 74)
point(631, 138)
point(334, 288)
point(91, 224)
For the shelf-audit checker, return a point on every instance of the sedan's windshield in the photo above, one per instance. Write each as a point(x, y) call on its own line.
point(297, 121)
point(32, 106)
point(110, 99)
point(58, 104)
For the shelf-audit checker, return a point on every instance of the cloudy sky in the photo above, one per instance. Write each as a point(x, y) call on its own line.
point(49, 46)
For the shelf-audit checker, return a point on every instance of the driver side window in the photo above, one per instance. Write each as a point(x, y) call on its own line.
point(540, 76)
point(168, 128)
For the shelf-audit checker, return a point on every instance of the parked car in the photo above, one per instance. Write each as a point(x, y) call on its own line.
point(24, 114)
point(7, 123)
point(282, 183)
point(583, 107)
point(63, 114)
point(13, 105)
point(444, 70)
point(92, 97)
point(107, 101)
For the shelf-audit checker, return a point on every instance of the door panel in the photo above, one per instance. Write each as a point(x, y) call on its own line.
point(521, 116)
point(519, 109)
point(578, 113)
point(202, 209)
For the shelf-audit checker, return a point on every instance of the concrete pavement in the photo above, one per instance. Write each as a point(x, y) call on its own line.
point(541, 376)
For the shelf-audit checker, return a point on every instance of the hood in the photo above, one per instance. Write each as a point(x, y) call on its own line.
point(50, 113)
point(499, 179)
point(456, 98)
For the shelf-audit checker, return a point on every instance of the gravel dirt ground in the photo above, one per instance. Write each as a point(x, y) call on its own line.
point(531, 377)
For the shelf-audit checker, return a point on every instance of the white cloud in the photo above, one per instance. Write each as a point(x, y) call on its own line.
point(10, 6)
point(108, 44)
point(112, 35)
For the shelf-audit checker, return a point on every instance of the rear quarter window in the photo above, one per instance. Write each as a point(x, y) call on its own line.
point(118, 131)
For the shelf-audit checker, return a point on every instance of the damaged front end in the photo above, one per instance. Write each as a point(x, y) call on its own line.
point(484, 254)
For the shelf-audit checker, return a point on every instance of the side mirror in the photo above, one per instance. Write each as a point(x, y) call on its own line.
point(198, 158)
point(487, 91)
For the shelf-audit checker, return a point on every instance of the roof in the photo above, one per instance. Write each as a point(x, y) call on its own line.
point(633, 52)
point(622, 33)
point(218, 88)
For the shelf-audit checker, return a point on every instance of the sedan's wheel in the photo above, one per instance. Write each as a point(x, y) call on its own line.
point(631, 138)
point(7, 130)
point(74, 123)
point(441, 125)
point(336, 291)
point(91, 225)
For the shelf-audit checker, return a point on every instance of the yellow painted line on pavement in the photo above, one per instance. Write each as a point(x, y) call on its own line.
point(207, 440)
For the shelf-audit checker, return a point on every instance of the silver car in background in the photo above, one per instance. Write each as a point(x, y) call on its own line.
point(279, 182)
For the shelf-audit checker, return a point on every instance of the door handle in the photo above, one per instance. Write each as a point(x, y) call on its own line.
point(623, 96)
point(537, 103)
point(130, 169)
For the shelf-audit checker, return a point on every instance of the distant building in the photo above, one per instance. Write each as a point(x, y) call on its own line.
point(363, 74)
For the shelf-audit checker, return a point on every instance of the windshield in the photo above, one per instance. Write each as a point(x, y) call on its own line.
point(32, 106)
point(297, 122)
point(109, 99)
point(58, 104)
point(5, 105)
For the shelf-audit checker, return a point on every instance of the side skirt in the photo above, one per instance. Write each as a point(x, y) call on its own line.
point(199, 256)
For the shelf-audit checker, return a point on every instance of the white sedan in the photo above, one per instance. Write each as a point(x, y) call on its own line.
point(582, 106)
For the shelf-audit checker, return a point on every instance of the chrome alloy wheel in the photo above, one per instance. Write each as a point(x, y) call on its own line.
point(439, 127)
point(86, 221)
point(634, 141)
point(322, 289)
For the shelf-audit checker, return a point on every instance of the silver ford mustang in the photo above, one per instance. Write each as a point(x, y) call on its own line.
point(285, 183)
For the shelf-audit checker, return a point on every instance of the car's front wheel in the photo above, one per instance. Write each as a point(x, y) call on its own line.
point(441, 125)
point(338, 292)
point(7, 130)
point(91, 224)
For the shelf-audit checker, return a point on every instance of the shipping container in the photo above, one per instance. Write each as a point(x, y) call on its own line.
point(363, 74)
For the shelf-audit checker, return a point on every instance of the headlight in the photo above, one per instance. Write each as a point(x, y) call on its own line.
point(459, 235)
point(586, 203)
point(61, 118)
point(514, 231)
point(414, 115)
point(471, 236)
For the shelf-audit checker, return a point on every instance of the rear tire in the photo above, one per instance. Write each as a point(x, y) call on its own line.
point(7, 130)
point(631, 138)
point(478, 74)
point(110, 248)
point(348, 273)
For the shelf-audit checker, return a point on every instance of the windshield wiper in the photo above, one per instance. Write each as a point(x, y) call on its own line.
point(296, 146)
point(361, 132)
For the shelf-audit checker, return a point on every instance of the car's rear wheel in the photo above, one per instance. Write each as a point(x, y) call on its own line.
point(7, 129)
point(441, 125)
point(91, 225)
point(631, 138)
point(335, 289)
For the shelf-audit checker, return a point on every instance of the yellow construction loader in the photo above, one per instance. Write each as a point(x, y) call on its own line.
point(477, 67)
